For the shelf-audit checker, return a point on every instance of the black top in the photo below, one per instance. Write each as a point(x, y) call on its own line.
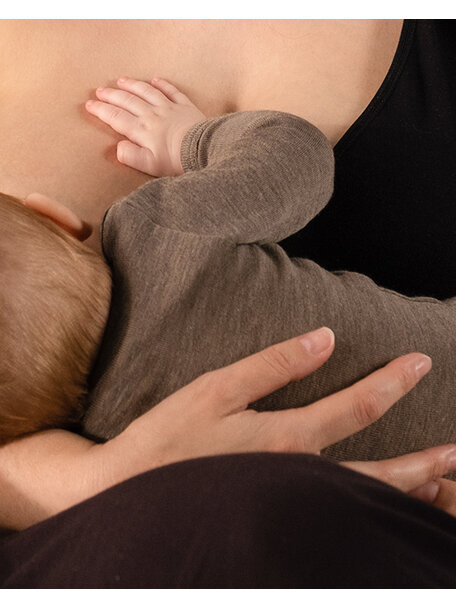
point(393, 212)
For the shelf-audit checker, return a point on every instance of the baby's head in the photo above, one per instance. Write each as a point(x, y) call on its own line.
point(54, 302)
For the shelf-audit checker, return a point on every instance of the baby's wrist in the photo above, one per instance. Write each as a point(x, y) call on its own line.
point(177, 150)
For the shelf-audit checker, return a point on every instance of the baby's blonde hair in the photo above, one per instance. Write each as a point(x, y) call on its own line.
point(54, 301)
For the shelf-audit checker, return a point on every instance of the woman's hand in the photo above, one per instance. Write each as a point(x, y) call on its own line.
point(51, 471)
point(154, 117)
point(210, 416)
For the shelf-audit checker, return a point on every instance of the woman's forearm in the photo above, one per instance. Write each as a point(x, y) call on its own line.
point(48, 472)
point(45, 473)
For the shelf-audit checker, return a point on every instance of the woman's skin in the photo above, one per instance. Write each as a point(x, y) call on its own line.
point(326, 71)
point(209, 417)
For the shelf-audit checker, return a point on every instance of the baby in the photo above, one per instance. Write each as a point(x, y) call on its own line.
point(56, 292)
point(199, 281)
point(54, 302)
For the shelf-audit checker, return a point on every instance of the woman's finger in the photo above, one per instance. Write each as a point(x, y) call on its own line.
point(441, 493)
point(233, 387)
point(412, 470)
point(446, 496)
point(427, 492)
point(329, 420)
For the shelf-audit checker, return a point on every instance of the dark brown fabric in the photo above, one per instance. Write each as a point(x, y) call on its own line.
point(258, 520)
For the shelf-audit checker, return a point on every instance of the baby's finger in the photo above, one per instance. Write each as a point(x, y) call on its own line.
point(412, 470)
point(136, 157)
point(144, 90)
point(170, 91)
point(122, 99)
point(120, 120)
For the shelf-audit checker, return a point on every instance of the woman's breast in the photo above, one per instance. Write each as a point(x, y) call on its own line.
point(50, 144)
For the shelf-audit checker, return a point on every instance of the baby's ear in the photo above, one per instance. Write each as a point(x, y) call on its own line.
point(59, 214)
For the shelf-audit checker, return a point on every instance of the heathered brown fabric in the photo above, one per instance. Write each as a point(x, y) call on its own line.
point(199, 283)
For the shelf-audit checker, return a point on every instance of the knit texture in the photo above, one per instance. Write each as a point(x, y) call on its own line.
point(199, 282)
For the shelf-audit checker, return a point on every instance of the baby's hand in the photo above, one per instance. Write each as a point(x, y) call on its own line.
point(154, 117)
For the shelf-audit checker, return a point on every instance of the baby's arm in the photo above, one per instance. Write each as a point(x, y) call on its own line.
point(154, 117)
point(250, 176)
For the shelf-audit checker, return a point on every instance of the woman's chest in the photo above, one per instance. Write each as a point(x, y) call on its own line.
point(392, 215)
point(324, 71)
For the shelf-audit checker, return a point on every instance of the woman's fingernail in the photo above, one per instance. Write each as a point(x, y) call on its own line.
point(422, 365)
point(430, 491)
point(318, 341)
point(451, 459)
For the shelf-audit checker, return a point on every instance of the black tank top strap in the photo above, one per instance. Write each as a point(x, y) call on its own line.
point(385, 89)
point(393, 212)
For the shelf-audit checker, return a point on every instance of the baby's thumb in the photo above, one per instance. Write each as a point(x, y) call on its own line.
point(136, 157)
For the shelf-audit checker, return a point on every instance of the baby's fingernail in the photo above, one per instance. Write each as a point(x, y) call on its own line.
point(318, 341)
point(155, 79)
point(100, 89)
point(123, 79)
point(89, 103)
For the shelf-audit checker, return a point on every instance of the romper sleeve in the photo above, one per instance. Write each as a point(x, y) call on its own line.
point(253, 176)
